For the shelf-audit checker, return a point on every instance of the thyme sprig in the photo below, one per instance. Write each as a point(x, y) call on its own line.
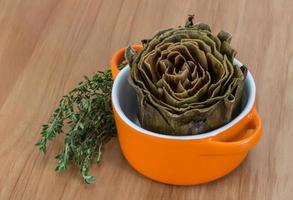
point(88, 113)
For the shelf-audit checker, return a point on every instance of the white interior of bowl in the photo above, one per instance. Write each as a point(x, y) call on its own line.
point(125, 103)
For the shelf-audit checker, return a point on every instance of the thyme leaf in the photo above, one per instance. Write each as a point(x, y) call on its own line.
point(87, 112)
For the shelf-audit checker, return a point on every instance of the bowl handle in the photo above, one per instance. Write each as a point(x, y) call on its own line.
point(118, 57)
point(246, 137)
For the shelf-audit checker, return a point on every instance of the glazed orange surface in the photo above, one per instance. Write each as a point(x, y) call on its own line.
point(184, 162)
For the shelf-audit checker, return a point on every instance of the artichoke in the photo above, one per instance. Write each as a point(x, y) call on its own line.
point(185, 80)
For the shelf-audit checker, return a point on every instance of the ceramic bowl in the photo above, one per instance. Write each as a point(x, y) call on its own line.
point(182, 160)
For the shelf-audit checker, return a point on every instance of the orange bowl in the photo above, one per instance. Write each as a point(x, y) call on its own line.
point(182, 160)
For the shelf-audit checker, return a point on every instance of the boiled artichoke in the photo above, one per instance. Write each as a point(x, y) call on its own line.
point(185, 80)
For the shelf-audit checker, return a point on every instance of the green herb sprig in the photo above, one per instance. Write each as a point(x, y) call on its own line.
point(88, 113)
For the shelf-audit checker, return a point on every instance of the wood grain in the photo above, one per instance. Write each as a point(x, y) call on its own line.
point(47, 45)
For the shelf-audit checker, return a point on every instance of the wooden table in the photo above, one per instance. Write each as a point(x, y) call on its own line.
point(47, 45)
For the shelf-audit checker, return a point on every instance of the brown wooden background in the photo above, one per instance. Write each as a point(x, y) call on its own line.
point(47, 45)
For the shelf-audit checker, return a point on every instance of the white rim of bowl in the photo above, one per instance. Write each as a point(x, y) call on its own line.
point(246, 110)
